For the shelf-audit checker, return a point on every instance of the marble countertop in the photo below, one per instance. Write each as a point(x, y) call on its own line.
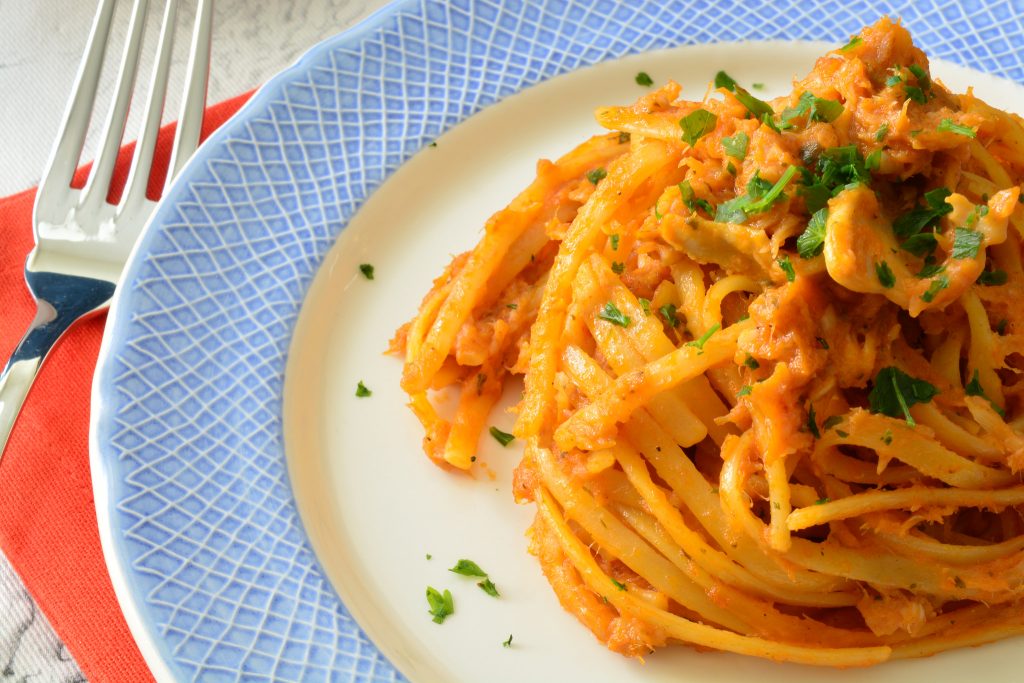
point(41, 43)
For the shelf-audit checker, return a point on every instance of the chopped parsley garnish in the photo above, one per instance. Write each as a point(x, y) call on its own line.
point(597, 175)
point(921, 217)
point(873, 160)
point(612, 314)
point(644, 79)
point(974, 388)
point(668, 312)
point(696, 125)
point(938, 284)
point(730, 168)
point(895, 391)
point(959, 583)
point(822, 501)
point(624, 137)
point(917, 93)
point(429, 556)
point(822, 343)
point(504, 438)
point(736, 146)
point(467, 568)
point(885, 275)
point(614, 239)
point(812, 423)
point(992, 278)
point(751, 362)
point(835, 170)
point(951, 126)
point(691, 201)
point(441, 605)
point(787, 267)
point(832, 421)
point(367, 270)
point(487, 586)
point(814, 108)
point(362, 391)
point(887, 437)
point(744, 391)
point(645, 304)
point(1001, 327)
point(854, 42)
point(812, 241)
point(966, 243)
point(759, 108)
point(920, 244)
point(757, 86)
point(507, 643)
point(619, 585)
point(882, 131)
point(618, 267)
point(760, 197)
point(512, 306)
point(699, 343)
point(931, 268)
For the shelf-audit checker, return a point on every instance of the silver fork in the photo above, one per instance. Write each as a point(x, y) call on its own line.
point(82, 241)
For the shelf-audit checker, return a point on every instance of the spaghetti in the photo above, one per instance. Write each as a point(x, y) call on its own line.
point(772, 358)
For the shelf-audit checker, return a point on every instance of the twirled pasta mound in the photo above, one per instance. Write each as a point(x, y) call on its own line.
point(772, 358)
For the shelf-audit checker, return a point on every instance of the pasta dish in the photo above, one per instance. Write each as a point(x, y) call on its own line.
point(772, 364)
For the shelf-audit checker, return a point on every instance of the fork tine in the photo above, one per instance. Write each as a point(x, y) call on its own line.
point(142, 161)
point(52, 199)
point(95, 192)
point(190, 121)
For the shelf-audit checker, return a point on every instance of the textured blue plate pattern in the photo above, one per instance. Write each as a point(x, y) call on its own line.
point(187, 440)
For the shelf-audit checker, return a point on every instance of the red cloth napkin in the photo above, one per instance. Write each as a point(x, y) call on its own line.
point(47, 514)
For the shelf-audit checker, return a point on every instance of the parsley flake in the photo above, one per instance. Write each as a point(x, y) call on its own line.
point(885, 275)
point(751, 362)
point(854, 42)
point(736, 146)
point(441, 605)
point(938, 284)
point(822, 501)
point(974, 388)
point(612, 314)
point(645, 304)
point(811, 242)
point(951, 126)
point(507, 643)
point(696, 125)
point(895, 391)
point(597, 175)
point(467, 568)
point(487, 586)
point(813, 107)
point(744, 391)
point(966, 243)
point(787, 267)
point(504, 438)
point(624, 137)
point(812, 423)
point(668, 312)
point(992, 278)
point(882, 131)
point(618, 267)
point(644, 79)
point(367, 270)
point(362, 391)
point(831, 422)
point(759, 108)
point(614, 239)
point(619, 585)
point(921, 217)
point(699, 343)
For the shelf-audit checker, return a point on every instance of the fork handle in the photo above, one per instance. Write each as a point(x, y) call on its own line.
point(42, 335)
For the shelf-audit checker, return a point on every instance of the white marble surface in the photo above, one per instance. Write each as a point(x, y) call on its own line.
point(41, 42)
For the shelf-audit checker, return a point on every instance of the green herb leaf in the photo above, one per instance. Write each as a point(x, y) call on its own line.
point(504, 438)
point(690, 199)
point(744, 391)
point(915, 93)
point(854, 42)
point(597, 175)
point(508, 643)
point(882, 131)
point(699, 343)
point(644, 79)
point(822, 343)
point(614, 239)
point(787, 267)
point(895, 391)
point(966, 243)
point(992, 278)
point(951, 126)
point(618, 267)
point(668, 312)
point(612, 314)
point(822, 501)
point(814, 108)
point(873, 160)
point(835, 170)
point(441, 605)
point(974, 388)
point(920, 244)
point(467, 568)
point(923, 79)
point(487, 586)
point(645, 304)
point(736, 146)
point(832, 421)
point(624, 137)
point(885, 275)
point(930, 268)
point(696, 125)
point(938, 284)
point(367, 270)
point(921, 217)
point(771, 196)
point(751, 362)
point(811, 242)
point(621, 586)
point(732, 210)
point(362, 391)
point(758, 108)
point(812, 423)
point(887, 437)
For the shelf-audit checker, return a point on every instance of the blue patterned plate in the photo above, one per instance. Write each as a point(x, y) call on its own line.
point(209, 528)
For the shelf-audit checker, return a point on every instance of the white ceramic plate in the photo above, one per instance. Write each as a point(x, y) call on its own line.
point(374, 506)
